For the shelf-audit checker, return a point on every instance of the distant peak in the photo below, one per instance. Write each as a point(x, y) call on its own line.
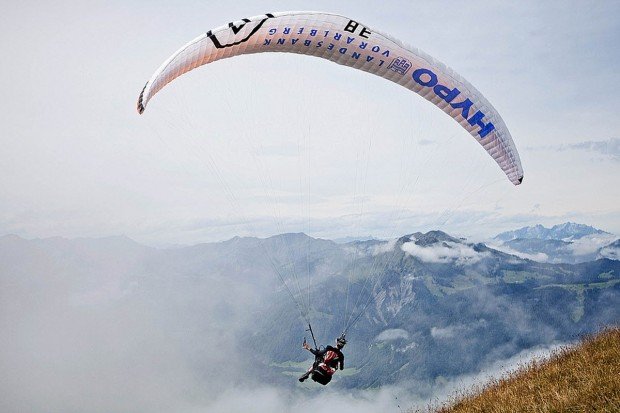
point(292, 236)
point(566, 230)
point(431, 237)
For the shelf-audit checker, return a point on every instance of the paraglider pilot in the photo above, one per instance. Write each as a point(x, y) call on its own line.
point(326, 362)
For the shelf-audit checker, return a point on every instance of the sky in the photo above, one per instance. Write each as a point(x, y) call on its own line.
point(259, 145)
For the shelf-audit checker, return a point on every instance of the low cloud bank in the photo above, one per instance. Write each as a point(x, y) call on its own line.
point(609, 147)
point(611, 252)
point(410, 395)
point(539, 256)
point(384, 248)
point(590, 244)
point(313, 400)
point(445, 252)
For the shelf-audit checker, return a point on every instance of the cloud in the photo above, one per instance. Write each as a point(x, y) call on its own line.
point(94, 331)
point(539, 256)
point(392, 334)
point(426, 142)
point(611, 252)
point(384, 247)
point(590, 244)
point(609, 148)
point(446, 332)
point(460, 330)
point(444, 252)
point(272, 399)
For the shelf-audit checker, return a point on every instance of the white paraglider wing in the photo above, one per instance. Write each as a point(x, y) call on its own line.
point(347, 42)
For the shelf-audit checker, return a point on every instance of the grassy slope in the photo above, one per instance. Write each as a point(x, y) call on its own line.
point(583, 378)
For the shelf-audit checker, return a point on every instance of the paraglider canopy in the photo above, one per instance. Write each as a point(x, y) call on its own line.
point(356, 45)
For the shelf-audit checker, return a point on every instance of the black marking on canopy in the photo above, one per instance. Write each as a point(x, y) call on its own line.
point(521, 179)
point(236, 30)
point(140, 100)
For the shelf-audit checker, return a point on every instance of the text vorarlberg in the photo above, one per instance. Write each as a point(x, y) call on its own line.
point(357, 48)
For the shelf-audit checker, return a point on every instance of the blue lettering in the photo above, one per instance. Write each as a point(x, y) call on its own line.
point(350, 39)
point(319, 44)
point(281, 41)
point(267, 42)
point(428, 78)
point(330, 47)
point(301, 30)
point(485, 128)
point(293, 41)
point(307, 43)
point(363, 45)
point(417, 76)
point(343, 50)
point(356, 55)
point(337, 36)
point(326, 33)
point(376, 49)
point(386, 53)
point(287, 30)
point(370, 58)
point(272, 31)
point(465, 105)
point(446, 93)
point(313, 32)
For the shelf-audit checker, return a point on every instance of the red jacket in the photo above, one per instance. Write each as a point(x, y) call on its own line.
point(330, 359)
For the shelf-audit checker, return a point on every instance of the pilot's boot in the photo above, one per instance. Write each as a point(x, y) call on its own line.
point(304, 376)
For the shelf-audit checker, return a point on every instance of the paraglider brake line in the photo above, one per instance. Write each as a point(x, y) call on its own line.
point(312, 334)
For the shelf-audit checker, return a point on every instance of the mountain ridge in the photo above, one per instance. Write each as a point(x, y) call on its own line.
point(426, 305)
point(564, 231)
point(564, 243)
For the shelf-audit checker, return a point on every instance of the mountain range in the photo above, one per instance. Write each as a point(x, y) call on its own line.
point(421, 309)
point(566, 231)
point(563, 243)
point(441, 307)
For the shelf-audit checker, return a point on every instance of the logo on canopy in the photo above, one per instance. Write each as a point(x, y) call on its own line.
point(400, 65)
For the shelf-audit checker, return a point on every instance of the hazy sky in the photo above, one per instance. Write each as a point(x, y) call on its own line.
point(258, 145)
